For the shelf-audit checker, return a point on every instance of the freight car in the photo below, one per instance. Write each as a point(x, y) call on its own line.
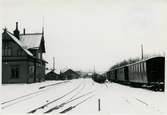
point(148, 73)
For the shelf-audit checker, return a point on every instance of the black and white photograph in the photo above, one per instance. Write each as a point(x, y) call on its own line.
point(83, 57)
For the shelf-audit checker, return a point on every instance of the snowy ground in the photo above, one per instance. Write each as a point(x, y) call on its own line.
point(115, 98)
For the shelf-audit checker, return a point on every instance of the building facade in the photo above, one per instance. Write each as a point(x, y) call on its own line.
point(22, 57)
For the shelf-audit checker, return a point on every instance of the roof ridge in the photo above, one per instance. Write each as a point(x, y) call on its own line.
point(31, 34)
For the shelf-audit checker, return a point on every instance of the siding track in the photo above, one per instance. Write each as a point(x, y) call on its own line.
point(45, 105)
point(28, 96)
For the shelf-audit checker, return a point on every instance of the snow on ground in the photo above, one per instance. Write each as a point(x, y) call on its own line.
point(115, 98)
point(11, 91)
point(120, 99)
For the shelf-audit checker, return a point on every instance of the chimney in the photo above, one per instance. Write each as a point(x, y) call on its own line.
point(16, 31)
point(24, 31)
point(5, 29)
point(4, 33)
point(17, 25)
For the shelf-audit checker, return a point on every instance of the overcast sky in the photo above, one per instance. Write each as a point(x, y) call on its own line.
point(81, 34)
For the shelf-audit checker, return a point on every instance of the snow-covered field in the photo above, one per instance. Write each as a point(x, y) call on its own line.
point(114, 98)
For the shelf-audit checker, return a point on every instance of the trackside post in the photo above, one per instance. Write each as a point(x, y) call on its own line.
point(99, 109)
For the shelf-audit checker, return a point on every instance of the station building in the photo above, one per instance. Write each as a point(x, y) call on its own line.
point(22, 57)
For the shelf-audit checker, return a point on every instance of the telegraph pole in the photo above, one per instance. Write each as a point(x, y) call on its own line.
point(53, 63)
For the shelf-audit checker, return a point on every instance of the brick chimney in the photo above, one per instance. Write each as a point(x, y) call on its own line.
point(16, 31)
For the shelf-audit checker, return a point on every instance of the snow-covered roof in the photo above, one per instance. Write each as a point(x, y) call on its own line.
point(32, 40)
point(19, 43)
point(69, 71)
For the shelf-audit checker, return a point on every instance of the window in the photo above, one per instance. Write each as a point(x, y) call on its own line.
point(7, 51)
point(145, 67)
point(135, 68)
point(19, 52)
point(15, 72)
point(38, 55)
point(139, 66)
point(132, 68)
point(31, 69)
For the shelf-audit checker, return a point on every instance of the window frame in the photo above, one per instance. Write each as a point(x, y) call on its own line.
point(15, 72)
point(7, 49)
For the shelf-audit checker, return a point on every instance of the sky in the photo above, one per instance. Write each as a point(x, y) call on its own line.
point(88, 34)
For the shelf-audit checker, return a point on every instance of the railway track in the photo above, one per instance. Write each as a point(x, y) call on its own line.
point(67, 102)
point(74, 106)
point(142, 101)
point(54, 100)
point(52, 84)
point(72, 98)
point(14, 101)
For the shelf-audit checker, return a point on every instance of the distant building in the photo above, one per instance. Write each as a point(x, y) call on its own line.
point(22, 60)
point(82, 74)
point(69, 74)
point(52, 76)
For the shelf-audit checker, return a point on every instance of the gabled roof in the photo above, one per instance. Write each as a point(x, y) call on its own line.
point(19, 43)
point(51, 72)
point(31, 41)
point(70, 71)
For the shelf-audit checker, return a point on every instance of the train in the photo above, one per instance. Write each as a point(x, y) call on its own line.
point(99, 78)
point(148, 73)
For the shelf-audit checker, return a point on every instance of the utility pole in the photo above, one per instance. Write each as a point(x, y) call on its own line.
point(53, 63)
point(43, 21)
point(142, 51)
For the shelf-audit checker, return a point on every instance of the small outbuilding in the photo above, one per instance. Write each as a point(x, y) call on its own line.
point(69, 74)
point(52, 76)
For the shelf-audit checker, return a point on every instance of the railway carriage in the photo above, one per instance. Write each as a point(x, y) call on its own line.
point(122, 74)
point(149, 73)
point(112, 76)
